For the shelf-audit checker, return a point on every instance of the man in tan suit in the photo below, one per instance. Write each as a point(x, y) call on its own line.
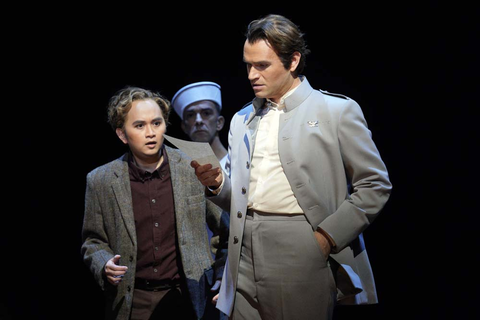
point(305, 181)
point(144, 235)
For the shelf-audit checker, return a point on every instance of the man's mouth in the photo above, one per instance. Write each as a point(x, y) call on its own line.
point(257, 86)
point(151, 144)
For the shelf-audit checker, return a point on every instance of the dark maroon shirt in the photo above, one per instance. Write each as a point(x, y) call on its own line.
point(154, 212)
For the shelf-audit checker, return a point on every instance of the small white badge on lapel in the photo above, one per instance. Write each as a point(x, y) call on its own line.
point(312, 123)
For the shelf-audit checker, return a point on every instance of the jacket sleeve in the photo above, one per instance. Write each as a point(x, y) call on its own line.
point(223, 196)
point(367, 175)
point(95, 249)
point(218, 221)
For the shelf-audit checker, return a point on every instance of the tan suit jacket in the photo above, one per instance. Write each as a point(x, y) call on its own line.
point(335, 172)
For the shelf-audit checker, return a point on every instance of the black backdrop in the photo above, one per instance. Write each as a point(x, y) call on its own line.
point(412, 67)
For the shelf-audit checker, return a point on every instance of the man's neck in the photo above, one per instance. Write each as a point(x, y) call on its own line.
point(295, 83)
point(218, 148)
point(148, 164)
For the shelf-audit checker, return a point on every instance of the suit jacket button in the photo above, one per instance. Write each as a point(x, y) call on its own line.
point(129, 288)
point(244, 190)
point(239, 214)
point(131, 258)
point(235, 239)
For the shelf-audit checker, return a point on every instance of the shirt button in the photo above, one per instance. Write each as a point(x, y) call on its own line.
point(156, 224)
point(244, 190)
point(239, 214)
point(156, 248)
point(248, 165)
point(155, 270)
point(153, 201)
point(235, 239)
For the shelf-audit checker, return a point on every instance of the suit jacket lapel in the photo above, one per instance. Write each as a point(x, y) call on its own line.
point(123, 195)
point(291, 103)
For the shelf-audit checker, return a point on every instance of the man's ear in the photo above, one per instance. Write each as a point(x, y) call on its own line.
point(220, 123)
point(295, 61)
point(121, 135)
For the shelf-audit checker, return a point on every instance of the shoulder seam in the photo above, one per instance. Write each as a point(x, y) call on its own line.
point(338, 95)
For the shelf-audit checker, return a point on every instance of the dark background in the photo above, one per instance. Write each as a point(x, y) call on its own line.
point(412, 67)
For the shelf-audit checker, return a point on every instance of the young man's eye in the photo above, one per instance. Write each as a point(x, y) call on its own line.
point(261, 66)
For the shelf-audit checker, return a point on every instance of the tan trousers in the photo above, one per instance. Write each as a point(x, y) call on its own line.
point(283, 274)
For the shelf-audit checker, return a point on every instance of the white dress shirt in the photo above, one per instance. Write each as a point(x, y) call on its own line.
point(270, 190)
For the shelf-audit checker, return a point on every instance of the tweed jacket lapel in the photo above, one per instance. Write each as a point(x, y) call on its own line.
point(173, 159)
point(175, 175)
point(123, 195)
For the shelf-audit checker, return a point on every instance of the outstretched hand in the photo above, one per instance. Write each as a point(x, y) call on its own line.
point(208, 176)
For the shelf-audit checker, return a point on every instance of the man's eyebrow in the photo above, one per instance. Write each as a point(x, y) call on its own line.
point(257, 62)
point(143, 121)
point(201, 107)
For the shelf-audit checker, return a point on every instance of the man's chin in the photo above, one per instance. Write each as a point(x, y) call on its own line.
point(200, 137)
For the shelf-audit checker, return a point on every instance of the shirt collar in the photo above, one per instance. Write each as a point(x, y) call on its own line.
point(141, 175)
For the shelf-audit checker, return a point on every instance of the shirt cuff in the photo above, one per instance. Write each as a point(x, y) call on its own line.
point(219, 189)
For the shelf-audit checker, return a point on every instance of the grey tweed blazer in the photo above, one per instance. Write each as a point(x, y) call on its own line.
point(109, 229)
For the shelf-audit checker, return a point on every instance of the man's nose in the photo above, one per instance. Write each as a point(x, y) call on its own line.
point(198, 118)
point(252, 74)
point(149, 132)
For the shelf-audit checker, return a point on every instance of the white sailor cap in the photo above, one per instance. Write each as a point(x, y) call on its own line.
point(194, 92)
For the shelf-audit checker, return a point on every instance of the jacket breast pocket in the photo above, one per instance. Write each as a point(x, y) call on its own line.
point(196, 199)
point(196, 204)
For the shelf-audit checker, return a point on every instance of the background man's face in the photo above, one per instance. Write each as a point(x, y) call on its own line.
point(201, 121)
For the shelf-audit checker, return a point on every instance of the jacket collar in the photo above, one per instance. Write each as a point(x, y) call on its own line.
point(299, 95)
point(291, 102)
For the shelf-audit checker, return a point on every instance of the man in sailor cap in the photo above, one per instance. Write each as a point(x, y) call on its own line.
point(199, 105)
